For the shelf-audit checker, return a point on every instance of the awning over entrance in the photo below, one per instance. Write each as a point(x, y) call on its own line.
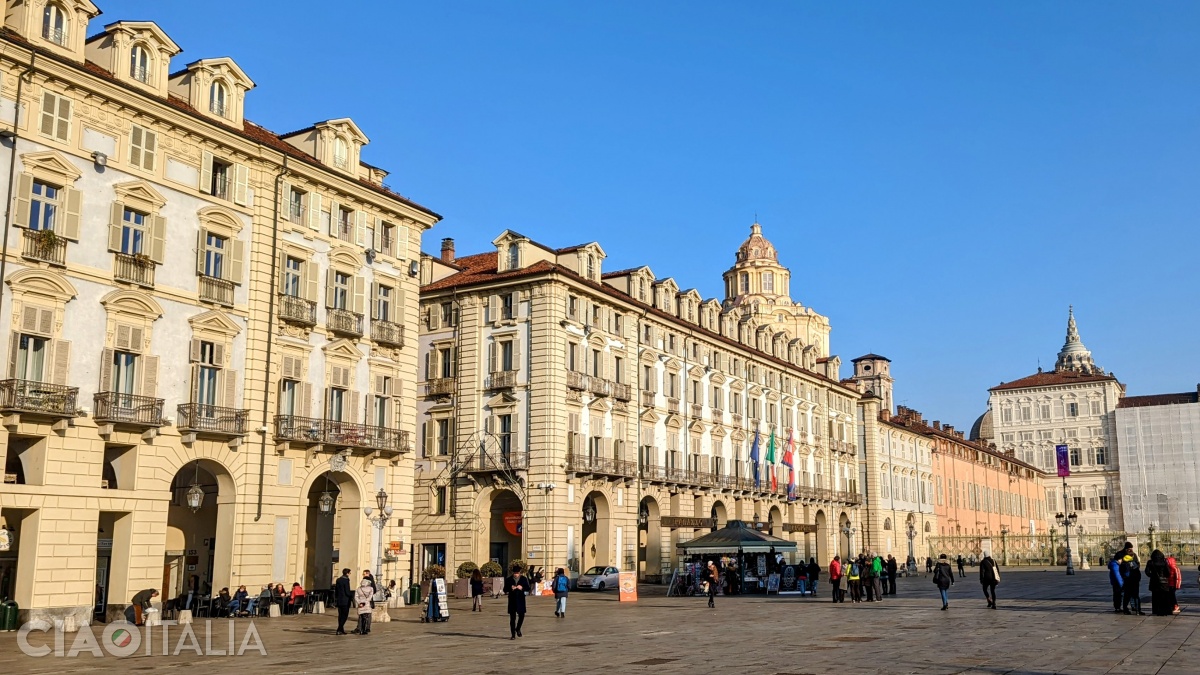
point(734, 537)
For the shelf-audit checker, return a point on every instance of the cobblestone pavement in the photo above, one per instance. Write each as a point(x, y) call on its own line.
point(1047, 622)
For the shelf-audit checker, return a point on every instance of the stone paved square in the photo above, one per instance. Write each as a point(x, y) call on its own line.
point(1047, 622)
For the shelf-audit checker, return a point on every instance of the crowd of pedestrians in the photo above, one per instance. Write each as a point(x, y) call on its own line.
point(1163, 575)
point(867, 578)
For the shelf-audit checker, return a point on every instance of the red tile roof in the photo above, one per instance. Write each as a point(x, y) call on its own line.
point(1050, 379)
point(1159, 399)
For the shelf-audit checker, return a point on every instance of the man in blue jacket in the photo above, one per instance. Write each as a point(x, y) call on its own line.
point(1114, 578)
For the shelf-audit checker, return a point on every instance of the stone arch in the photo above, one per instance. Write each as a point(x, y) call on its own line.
point(492, 537)
point(720, 514)
point(597, 545)
point(649, 540)
point(887, 523)
point(313, 548)
point(207, 530)
point(821, 549)
point(33, 281)
point(132, 302)
point(775, 522)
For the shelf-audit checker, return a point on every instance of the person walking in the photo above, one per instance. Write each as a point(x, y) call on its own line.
point(1115, 579)
point(835, 578)
point(343, 598)
point(943, 577)
point(989, 578)
point(893, 568)
point(714, 582)
point(516, 586)
point(561, 586)
point(476, 591)
point(362, 600)
point(1131, 582)
point(962, 570)
point(1158, 574)
point(928, 564)
point(814, 575)
point(877, 574)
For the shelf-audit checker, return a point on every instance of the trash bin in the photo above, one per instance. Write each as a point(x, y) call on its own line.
point(8, 616)
point(414, 594)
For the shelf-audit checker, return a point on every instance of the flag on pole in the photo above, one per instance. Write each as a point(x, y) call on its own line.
point(754, 457)
point(789, 462)
point(771, 461)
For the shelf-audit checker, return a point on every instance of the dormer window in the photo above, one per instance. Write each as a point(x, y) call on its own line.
point(218, 98)
point(514, 256)
point(341, 153)
point(139, 64)
point(54, 24)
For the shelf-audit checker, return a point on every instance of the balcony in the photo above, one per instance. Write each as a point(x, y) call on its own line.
point(218, 291)
point(442, 386)
point(45, 246)
point(599, 387)
point(37, 398)
point(497, 461)
point(718, 415)
point(654, 473)
point(297, 310)
point(697, 411)
point(577, 380)
point(344, 322)
point(211, 419)
point(735, 419)
point(502, 379)
point(56, 35)
point(135, 269)
point(299, 429)
point(296, 213)
point(622, 392)
point(313, 431)
point(673, 406)
point(600, 466)
point(387, 333)
point(647, 399)
point(116, 408)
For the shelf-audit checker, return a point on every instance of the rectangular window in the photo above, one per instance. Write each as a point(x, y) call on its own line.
point(292, 275)
point(506, 356)
point(1095, 407)
point(439, 498)
point(647, 378)
point(1076, 457)
point(1103, 502)
point(1045, 411)
point(31, 359)
point(142, 146)
point(43, 206)
point(618, 370)
point(1077, 503)
point(617, 323)
point(296, 206)
point(504, 434)
point(56, 117)
point(1101, 456)
point(345, 224)
point(383, 302)
point(287, 397)
point(1072, 410)
point(382, 404)
point(206, 375)
point(124, 373)
point(133, 232)
point(221, 172)
point(507, 311)
point(341, 291)
point(214, 256)
point(597, 363)
point(337, 404)
point(448, 318)
point(443, 437)
point(387, 239)
point(446, 361)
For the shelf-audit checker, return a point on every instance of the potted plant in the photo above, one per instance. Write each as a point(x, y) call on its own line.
point(46, 238)
point(142, 260)
point(462, 581)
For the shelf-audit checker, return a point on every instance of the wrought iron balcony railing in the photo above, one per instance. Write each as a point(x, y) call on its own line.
point(441, 386)
point(297, 310)
point(502, 379)
point(622, 392)
point(216, 290)
point(387, 333)
point(45, 246)
point(605, 466)
point(26, 396)
point(136, 269)
point(344, 322)
point(131, 409)
point(494, 460)
point(342, 434)
point(212, 419)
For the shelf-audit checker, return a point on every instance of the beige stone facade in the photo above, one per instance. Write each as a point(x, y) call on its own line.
point(192, 303)
point(575, 417)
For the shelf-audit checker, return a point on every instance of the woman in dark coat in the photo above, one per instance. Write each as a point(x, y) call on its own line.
point(516, 586)
point(1161, 602)
point(989, 577)
point(943, 577)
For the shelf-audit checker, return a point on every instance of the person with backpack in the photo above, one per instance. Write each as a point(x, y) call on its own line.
point(835, 578)
point(943, 578)
point(865, 586)
point(989, 578)
point(561, 586)
point(1131, 583)
point(877, 575)
point(1115, 579)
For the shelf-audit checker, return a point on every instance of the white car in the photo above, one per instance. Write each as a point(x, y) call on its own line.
point(599, 578)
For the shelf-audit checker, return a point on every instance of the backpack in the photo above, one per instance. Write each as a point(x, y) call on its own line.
point(562, 585)
point(939, 574)
point(854, 571)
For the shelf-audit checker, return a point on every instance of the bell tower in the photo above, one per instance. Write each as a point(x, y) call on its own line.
point(873, 373)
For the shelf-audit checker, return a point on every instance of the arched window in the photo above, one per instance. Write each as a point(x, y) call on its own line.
point(341, 153)
point(218, 98)
point(139, 64)
point(887, 523)
point(514, 256)
point(591, 266)
point(54, 24)
point(768, 280)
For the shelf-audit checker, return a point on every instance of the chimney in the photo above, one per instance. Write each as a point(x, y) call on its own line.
point(448, 250)
point(937, 425)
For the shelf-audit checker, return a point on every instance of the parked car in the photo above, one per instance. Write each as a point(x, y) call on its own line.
point(599, 578)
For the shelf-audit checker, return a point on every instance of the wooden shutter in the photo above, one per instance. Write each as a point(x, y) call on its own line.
point(21, 205)
point(158, 239)
point(314, 211)
point(206, 171)
point(285, 200)
point(63, 130)
point(429, 364)
point(49, 102)
point(355, 405)
point(430, 428)
point(359, 294)
point(150, 376)
point(435, 317)
point(115, 215)
point(194, 352)
point(377, 237)
point(73, 199)
point(494, 308)
point(106, 369)
point(14, 352)
point(516, 353)
point(123, 339)
point(493, 357)
point(400, 241)
point(229, 391)
point(149, 145)
point(237, 261)
point(371, 300)
point(135, 146)
point(194, 395)
point(334, 207)
point(201, 245)
point(305, 391)
point(516, 304)
point(219, 354)
point(311, 291)
point(360, 228)
point(241, 184)
point(329, 288)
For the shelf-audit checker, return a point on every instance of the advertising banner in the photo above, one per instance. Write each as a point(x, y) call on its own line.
point(1062, 454)
point(628, 585)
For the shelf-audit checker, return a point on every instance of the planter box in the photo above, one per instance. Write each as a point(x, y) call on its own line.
point(462, 588)
point(497, 586)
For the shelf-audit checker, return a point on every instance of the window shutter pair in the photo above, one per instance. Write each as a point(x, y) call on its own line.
point(72, 201)
point(56, 116)
point(293, 367)
point(128, 338)
point(37, 320)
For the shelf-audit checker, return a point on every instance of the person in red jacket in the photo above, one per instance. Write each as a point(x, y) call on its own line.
point(1174, 581)
point(835, 578)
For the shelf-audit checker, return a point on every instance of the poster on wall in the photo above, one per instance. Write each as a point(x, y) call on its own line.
point(628, 583)
point(512, 522)
point(773, 583)
point(762, 565)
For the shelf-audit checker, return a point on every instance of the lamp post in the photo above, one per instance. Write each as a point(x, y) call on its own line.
point(1004, 544)
point(1067, 520)
point(1152, 529)
point(912, 533)
point(849, 531)
point(379, 521)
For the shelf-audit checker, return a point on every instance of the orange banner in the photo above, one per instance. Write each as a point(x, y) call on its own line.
point(628, 585)
point(512, 522)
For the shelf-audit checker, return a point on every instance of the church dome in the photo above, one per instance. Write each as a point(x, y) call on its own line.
point(756, 247)
point(982, 429)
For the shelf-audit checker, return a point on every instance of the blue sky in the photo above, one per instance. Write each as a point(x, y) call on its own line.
point(943, 178)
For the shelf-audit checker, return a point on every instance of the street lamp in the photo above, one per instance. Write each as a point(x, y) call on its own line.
point(195, 494)
point(589, 512)
point(849, 531)
point(325, 501)
point(1153, 543)
point(379, 521)
point(1004, 543)
point(1067, 520)
point(912, 533)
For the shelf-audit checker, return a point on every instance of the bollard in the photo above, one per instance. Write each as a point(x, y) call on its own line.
point(185, 616)
point(8, 616)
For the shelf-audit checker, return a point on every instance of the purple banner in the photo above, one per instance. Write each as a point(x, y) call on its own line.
point(1063, 455)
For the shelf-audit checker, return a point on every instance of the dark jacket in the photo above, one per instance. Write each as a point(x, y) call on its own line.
point(987, 572)
point(943, 576)
point(1158, 573)
point(814, 571)
point(343, 594)
point(144, 598)
point(516, 588)
point(892, 567)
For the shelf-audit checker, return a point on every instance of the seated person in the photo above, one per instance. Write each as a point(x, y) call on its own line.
point(221, 603)
point(240, 601)
point(265, 598)
point(295, 598)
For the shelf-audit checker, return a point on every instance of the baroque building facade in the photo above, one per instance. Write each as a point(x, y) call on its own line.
point(208, 372)
point(1072, 405)
point(576, 417)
